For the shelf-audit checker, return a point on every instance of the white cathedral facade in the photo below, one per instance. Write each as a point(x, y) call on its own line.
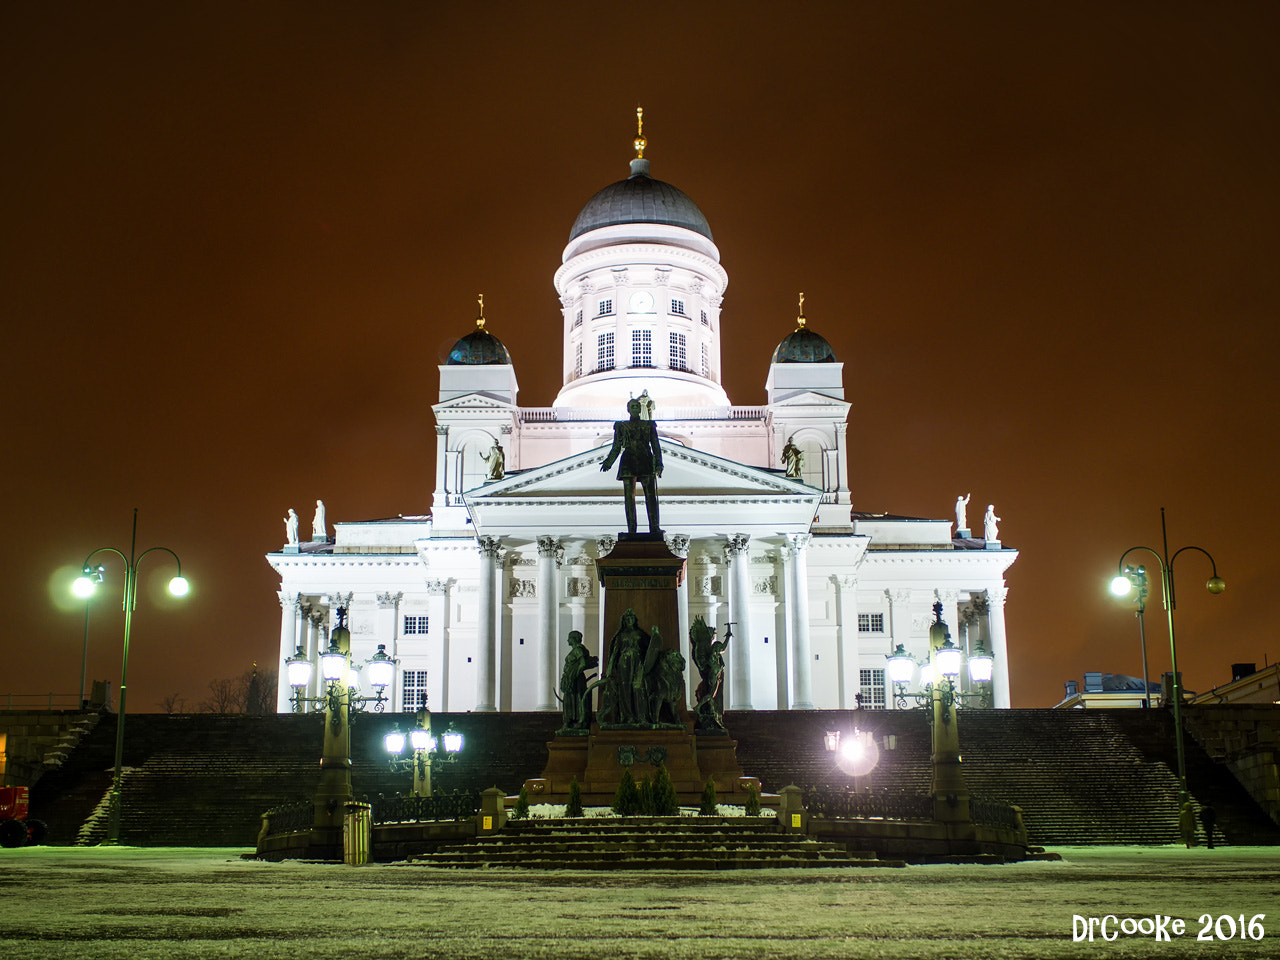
point(475, 600)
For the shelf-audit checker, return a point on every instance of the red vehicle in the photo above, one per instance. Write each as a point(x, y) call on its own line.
point(16, 829)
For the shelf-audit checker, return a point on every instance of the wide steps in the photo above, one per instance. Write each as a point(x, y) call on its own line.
point(672, 843)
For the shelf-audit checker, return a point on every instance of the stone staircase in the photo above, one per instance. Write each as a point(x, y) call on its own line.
point(647, 843)
point(1079, 776)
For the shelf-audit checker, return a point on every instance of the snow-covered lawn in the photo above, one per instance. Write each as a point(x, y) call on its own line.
point(114, 903)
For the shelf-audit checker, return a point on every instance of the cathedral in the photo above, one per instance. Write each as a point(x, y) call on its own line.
point(476, 599)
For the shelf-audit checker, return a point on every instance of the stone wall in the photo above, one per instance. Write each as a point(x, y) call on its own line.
point(1246, 737)
point(37, 739)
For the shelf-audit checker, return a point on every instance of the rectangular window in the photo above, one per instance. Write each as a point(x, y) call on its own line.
point(413, 690)
point(604, 351)
point(577, 321)
point(872, 682)
point(677, 308)
point(605, 309)
point(871, 623)
point(706, 365)
point(704, 319)
point(577, 359)
point(415, 625)
point(642, 348)
point(679, 352)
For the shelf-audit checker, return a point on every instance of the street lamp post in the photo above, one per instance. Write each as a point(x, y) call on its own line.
point(340, 696)
point(84, 587)
point(94, 578)
point(1137, 577)
point(426, 751)
point(1122, 584)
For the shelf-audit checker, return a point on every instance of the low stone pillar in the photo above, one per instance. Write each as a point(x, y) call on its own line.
point(357, 833)
point(792, 816)
point(493, 812)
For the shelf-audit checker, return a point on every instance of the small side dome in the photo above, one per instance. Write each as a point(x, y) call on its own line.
point(803, 345)
point(479, 346)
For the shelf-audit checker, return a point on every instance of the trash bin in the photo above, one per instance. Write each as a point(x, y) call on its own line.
point(357, 833)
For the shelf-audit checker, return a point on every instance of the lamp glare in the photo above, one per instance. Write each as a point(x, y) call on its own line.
point(394, 741)
point(82, 587)
point(179, 587)
point(1121, 586)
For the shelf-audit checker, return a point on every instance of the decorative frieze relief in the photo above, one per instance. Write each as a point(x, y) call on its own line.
point(708, 586)
point(765, 586)
point(523, 589)
point(580, 588)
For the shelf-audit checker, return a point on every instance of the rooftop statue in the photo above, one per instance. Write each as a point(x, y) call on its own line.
point(639, 456)
point(962, 522)
point(496, 461)
point(318, 529)
point(793, 460)
point(291, 528)
point(989, 529)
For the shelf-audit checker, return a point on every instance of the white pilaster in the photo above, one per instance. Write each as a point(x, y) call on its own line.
point(738, 552)
point(679, 545)
point(548, 607)
point(797, 565)
point(848, 640)
point(486, 627)
point(387, 631)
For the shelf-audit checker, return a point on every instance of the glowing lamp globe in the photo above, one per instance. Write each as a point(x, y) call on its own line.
point(1215, 585)
point(421, 739)
point(981, 665)
point(298, 668)
point(948, 659)
point(83, 587)
point(382, 669)
point(394, 741)
point(333, 663)
point(452, 741)
point(1121, 586)
point(901, 665)
point(179, 587)
point(353, 680)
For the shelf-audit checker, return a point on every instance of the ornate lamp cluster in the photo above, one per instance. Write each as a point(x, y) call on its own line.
point(342, 678)
point(427, 753)
point(941, 670)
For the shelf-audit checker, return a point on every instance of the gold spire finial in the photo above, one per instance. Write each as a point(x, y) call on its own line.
point(800, 319)
point(480, 319)
point(640, 140)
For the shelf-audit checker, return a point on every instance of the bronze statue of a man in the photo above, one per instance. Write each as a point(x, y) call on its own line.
point(636, 441)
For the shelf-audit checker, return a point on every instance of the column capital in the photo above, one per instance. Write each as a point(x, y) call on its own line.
point(898, 596)
point(845, 581)
point(388, 600)
point(998, 595)
point(439, 587)
point(548, 547)
point(737, 545)
point(289, 601)
point(490, 547)
point(678, 544)
point(605, 545)
point(798, 541)
point(947, 596)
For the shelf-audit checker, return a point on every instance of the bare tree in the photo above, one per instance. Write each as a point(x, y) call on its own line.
point(225, 696)
point(173, 703)
point(251, 692)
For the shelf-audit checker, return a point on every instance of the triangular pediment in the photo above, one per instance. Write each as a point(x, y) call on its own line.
point(697, 491)
point(810, 399)
point(470, 403)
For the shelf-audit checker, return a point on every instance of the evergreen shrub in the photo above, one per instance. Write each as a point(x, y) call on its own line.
point(709, 807)
point(574, 807)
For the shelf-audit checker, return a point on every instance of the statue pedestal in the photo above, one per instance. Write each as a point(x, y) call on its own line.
point(641, 574)
point(964, 534)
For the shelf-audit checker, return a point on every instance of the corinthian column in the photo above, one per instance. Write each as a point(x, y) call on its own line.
point(290, 608)
point(798, 613)
point(486, 627)
point(737, 549)
point(999, 647)
point(548, 605)
point(679, 545)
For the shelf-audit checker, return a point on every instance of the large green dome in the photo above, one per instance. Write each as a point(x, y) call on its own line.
point(640, 199)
